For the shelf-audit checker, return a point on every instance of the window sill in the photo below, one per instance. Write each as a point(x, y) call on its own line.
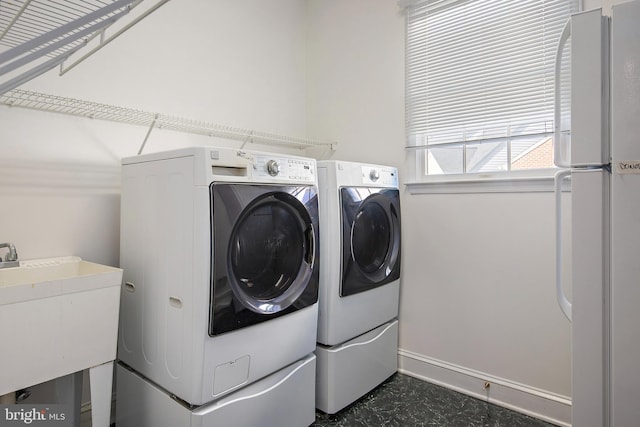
point(532, 181)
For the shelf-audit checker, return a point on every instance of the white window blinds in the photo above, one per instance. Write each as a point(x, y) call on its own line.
point(480, 81)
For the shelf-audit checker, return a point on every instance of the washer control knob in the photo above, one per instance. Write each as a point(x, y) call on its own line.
point(374, 174)
point(273, 167)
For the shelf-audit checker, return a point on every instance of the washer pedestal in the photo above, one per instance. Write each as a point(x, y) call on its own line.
point(347, 371)
point(284, 398)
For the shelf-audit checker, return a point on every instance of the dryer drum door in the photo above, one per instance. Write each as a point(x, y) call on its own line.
point(370, 238)
point(265, 253)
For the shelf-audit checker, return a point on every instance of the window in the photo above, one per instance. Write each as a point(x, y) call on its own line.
point(480, 84)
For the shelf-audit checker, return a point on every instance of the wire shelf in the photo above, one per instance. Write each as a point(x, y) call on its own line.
point(94, 110)
point(38, 35)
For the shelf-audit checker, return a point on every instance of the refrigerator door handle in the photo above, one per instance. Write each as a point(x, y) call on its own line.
point(557, 146)
point(563, 302)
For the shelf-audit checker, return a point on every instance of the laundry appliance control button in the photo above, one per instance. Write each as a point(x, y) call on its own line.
point(273, 167)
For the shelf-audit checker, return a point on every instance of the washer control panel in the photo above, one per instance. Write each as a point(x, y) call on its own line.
point(284, 168)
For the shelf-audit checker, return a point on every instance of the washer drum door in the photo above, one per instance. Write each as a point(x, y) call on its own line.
point(265, 253)
point(370, 238)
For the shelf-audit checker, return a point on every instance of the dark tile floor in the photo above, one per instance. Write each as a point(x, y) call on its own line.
point(404, 401)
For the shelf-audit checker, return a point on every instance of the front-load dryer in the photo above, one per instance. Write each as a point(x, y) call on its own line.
point(360, 273)
point(359, 280)
point(220, 251)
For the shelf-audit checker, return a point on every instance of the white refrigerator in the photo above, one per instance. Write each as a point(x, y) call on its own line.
point(598, 148)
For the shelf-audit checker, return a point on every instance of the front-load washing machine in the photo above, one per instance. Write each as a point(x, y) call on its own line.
point(359, 280)
point(220, 252)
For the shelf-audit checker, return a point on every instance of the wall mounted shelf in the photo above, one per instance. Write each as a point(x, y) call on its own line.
point(93, 110)
point(38, 35)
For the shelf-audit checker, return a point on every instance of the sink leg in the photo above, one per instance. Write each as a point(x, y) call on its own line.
point(69, 392)
point(101, 381)
point(8, 399)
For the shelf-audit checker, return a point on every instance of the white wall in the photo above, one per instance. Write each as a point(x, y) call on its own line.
point(356, 78)
point(478, 300)
point(605, 5)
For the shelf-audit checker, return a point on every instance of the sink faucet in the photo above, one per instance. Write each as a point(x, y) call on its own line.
point(11, 260)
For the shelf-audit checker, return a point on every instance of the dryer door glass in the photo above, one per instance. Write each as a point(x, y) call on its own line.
point(370, 238)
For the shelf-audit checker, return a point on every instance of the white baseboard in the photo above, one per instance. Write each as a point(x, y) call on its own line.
point(537, 403)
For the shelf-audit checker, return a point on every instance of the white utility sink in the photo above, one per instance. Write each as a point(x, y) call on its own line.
point(58, 316)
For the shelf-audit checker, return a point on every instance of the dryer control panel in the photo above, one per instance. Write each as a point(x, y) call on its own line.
point(382, 175)
point(284, 168)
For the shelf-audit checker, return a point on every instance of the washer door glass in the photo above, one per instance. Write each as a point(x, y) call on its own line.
point(270, 253)
point(264, 253)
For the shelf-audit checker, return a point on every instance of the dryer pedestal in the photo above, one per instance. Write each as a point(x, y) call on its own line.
point(348, 371)
point(284, 398)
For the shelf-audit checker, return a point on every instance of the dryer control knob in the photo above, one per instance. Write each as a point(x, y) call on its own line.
point(273, 167)
point(374, 174)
